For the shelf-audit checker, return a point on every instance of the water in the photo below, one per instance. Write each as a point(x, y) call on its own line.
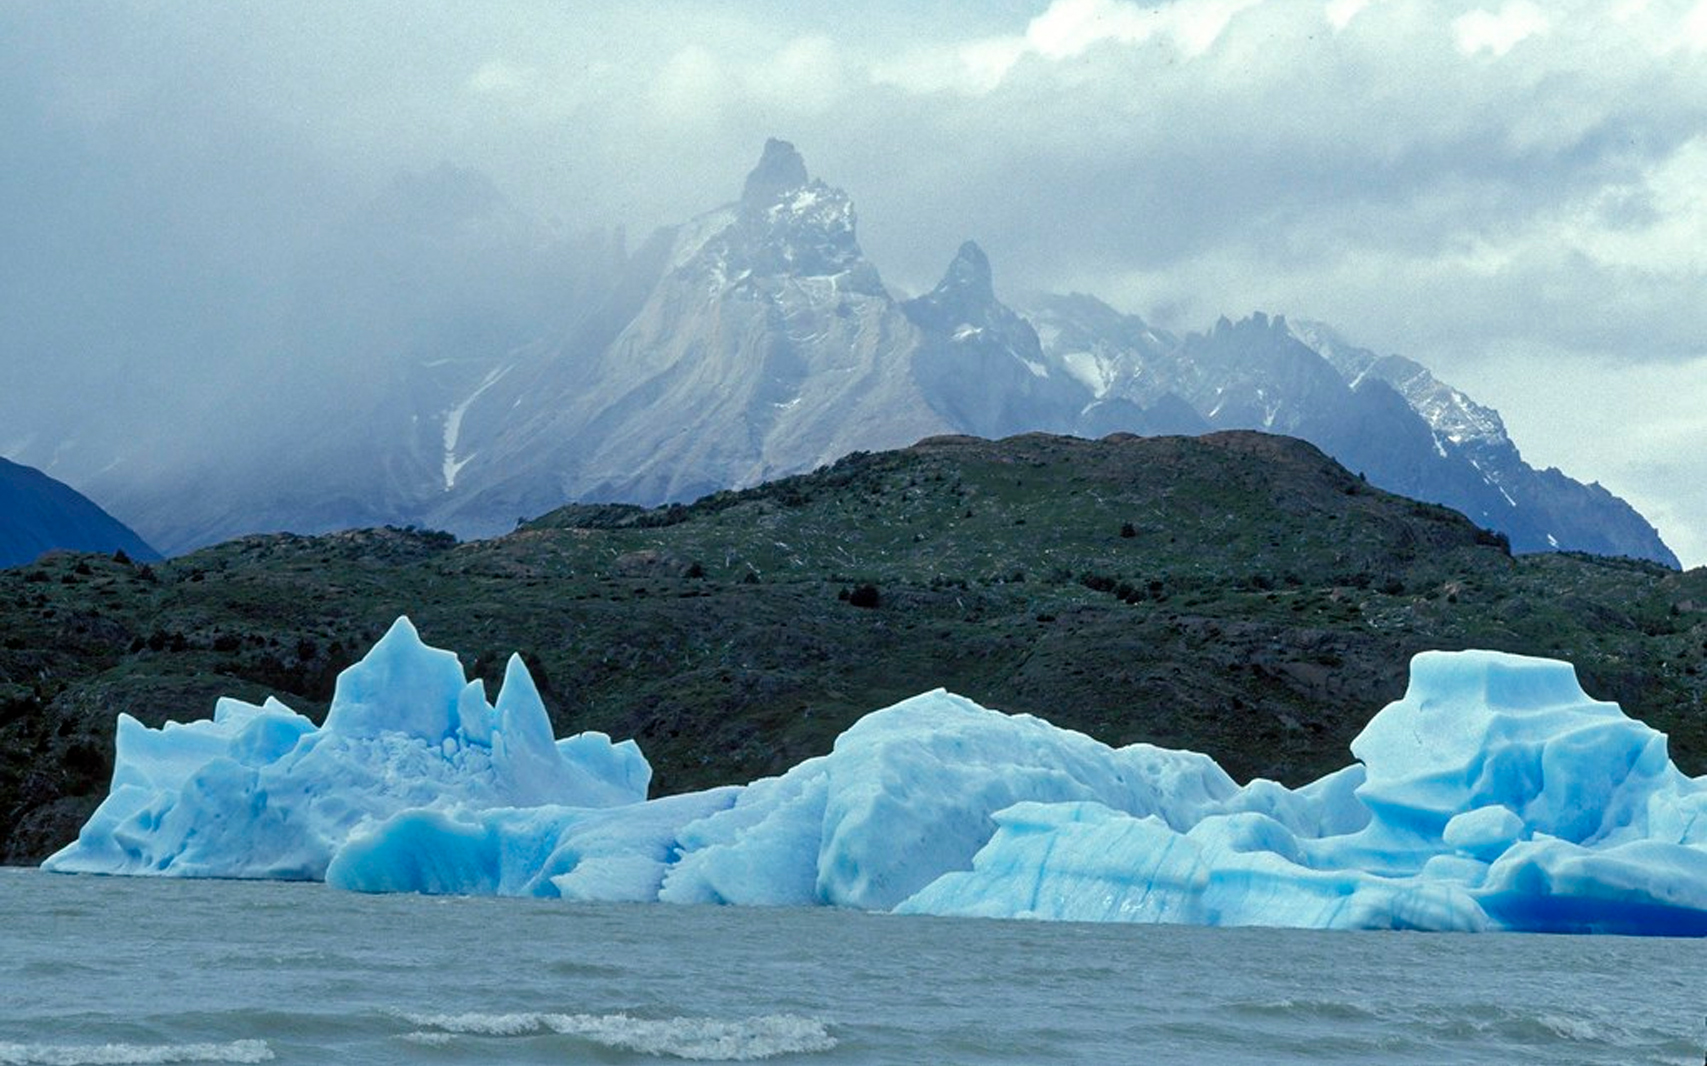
point(114, 970)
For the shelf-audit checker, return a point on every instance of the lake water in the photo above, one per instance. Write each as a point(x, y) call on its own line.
point(116, 970)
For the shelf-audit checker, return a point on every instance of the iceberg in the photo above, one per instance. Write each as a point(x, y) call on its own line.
point(261, 792)
point(1495, 795)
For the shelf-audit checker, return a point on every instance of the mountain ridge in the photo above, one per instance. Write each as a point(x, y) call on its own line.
point(41, 514)
point(758, 340)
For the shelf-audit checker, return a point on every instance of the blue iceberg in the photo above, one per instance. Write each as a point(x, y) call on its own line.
point(260, 792)
point(1494, 795)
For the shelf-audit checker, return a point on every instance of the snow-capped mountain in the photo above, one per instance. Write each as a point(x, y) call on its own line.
point(1386, 417)
point(765, 345)
point(754, 341)
point(1539, 510)
point(981, 365)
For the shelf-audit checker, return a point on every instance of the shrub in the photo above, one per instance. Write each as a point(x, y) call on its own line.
point(1097, 582)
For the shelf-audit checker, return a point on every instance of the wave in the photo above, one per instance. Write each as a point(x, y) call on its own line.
point(237, 1051)
point(696, 1039)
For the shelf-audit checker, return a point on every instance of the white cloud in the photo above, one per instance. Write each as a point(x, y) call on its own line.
point(807, 74)
point(691, 86)
point(1499, 32)
point(1657, 223)
point(1069, 27)
point(1340, 12)
point(1066, 30)
point(1693, 29)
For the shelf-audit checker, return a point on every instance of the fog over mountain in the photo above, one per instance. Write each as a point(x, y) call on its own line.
point(217, 217)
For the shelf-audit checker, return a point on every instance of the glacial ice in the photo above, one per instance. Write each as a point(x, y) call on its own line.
point(1494, 795)
point(260, 792)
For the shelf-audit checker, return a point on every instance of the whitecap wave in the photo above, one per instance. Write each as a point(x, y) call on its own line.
point(237, 1051)
point(1578, 1029)
point(429, 1039)
point(695, 1039)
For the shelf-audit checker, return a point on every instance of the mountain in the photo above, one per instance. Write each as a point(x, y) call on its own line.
point(753, 341)
point(1540, 510)
point(1385, 417)
point(764, 344)
point(980, 365)
point(1239, 594)
point(39, 514)
point(767, 344)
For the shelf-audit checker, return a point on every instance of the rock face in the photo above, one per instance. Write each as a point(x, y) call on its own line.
point(981, 365)
point(39, 514)
point(1540, 510)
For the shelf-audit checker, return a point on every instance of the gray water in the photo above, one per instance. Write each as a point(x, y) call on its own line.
point(117, 970)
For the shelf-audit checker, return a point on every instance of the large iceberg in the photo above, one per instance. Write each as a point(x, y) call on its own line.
point(1494, 795)
point(260, 792)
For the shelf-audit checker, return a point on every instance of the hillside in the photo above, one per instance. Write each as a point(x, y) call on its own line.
point(39, 514)
point(1238, 594)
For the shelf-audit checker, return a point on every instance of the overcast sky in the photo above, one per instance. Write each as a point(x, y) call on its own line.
point(1510, 193)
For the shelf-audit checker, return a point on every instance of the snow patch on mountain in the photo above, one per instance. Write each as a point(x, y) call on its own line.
point(453, 425)
point(696, 233)
point(1453, 415)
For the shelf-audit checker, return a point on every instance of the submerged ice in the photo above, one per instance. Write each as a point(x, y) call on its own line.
point(1494, 795)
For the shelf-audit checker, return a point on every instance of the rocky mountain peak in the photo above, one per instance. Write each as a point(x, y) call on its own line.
point(786, 226)
point(968, 277)
point(1256, 325)
point(780, 170)
point(965, 297)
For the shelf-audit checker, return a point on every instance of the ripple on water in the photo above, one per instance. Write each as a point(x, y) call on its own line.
point(55, 1054)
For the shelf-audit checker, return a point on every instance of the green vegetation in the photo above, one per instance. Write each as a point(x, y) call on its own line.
point(1236, 594)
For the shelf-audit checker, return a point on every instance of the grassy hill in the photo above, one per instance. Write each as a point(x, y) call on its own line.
point(1237, 594)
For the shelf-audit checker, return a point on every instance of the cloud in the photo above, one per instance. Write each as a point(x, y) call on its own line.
point(1064, 31)
point(1693, 35)
point(1340, 12)
point(1069, 27)
point(1498, 32)
point(501, 79)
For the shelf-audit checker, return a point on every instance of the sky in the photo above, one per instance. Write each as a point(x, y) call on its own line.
point(1508, 192)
